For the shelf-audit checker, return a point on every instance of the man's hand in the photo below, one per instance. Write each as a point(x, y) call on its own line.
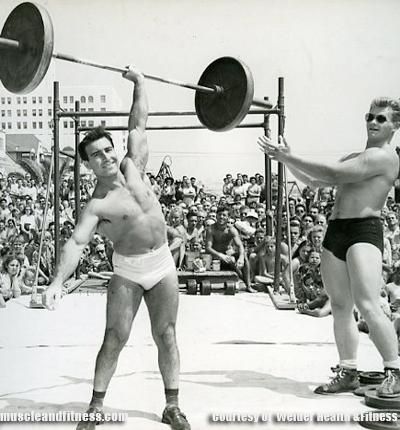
point(133, 74)
point(240, 263)
point(227, 259)
point(51, 296)
point(278, 151)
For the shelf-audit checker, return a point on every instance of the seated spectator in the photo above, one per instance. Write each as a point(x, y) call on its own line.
point(28, 224)
point(393, 291)
point(224, 244)
point(3, 233)
point(99, 260)
point(11, 229)
point(10, 282)
point(253, 192)
point(192, 234)
point(266, 265)
point(18, 248)
point(47, 259)
point(168, 191)
point(300, 257)
point(316, 237)
point(28, 280)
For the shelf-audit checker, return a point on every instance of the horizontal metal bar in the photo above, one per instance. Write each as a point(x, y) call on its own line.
point(262, 103)
point(72, 59)
point(166, 113)
point(172, 127)
point(9, 43)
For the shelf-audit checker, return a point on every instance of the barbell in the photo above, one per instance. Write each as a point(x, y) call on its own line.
point(224, 93)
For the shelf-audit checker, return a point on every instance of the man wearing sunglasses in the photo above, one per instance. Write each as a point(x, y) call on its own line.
point(352, 255)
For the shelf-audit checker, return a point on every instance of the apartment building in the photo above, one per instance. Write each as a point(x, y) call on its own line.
point(33, 113)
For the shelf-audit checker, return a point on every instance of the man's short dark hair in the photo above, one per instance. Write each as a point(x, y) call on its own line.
point(222, 209)
point(91, 136)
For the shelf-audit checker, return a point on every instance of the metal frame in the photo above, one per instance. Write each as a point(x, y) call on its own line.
point(58, 113)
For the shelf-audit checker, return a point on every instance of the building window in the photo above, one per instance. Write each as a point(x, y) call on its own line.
point(34, 124)
point(83, 99)
point(33, 100)
point(102, 109)
point(40, 124)
point(71, 124)
point(90, 99)
point(19, 125)
point(24, 100)
point(33, 112)
point(40, 99)
point(71, 99)
point(49, 111)
point(103, 98)
point(49, 99)
point(91, 123)
point(3, 100)
point(10, 125)
point(40, 112)
point(90, 110)
point(83, 110)
point(65, 124)
point(103, 123)
point(3, 125)
point(9, 100)
point(24, 112)
point(3, 113)
point(8, 113)
point(18, 112)
point(83, 123)
point(25, 125)
point(65, 99)
point(19, 100)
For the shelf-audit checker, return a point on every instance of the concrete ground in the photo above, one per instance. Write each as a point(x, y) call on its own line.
point(239, 355)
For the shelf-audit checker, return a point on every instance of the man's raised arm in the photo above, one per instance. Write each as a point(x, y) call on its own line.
point(71, 254)
point(137, 149)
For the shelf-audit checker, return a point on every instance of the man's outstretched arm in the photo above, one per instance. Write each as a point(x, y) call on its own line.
point(356, 168)
point(137, 148)
point(71, 254)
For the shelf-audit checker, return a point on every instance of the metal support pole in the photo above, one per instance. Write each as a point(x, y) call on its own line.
point(77, 162)
point(279, 204)
point(56, 152)
point(267, 178)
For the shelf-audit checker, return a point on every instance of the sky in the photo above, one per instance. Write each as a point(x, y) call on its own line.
point(334, 56)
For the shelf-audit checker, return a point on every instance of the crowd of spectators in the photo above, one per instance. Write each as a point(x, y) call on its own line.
point(230, 230)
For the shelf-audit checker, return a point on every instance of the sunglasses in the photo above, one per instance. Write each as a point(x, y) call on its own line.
point(380, 119)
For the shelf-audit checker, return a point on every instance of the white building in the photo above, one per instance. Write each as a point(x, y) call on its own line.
point(33, 113)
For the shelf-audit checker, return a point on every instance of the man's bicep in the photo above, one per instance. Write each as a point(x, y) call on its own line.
point(85, 228)
point(137, 149)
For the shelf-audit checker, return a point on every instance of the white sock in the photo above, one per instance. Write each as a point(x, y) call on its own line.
point(395, 364)
point(348, 364)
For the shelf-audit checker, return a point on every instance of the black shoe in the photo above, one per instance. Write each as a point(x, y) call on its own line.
point(173, 416)
point(95, 417)
point(345, 380)
point(390, 386)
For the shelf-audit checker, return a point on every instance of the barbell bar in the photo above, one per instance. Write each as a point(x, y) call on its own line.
point(223, 95)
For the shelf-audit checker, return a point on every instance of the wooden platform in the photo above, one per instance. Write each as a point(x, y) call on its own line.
point(225, 281)
point(280, 301)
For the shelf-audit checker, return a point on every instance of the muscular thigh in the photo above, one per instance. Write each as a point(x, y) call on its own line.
point(365, 270)
point(162, 302)
point(123, 300)
point(336, 279)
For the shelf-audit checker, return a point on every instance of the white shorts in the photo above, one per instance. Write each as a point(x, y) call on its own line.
point(148, 269)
